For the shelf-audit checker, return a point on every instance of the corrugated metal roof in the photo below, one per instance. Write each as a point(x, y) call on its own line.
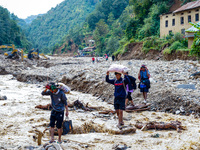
point(188, 6)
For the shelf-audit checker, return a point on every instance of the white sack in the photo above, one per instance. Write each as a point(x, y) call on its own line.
point(118, 68)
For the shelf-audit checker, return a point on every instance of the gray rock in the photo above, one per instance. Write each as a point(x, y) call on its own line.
point(186, 86)
point(120, 147)
point(3, 98)
point(178, 112)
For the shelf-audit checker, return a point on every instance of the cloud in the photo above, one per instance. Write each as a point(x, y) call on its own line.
point(25, 8)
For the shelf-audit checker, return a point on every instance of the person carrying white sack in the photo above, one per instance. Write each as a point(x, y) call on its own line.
point(120, 91)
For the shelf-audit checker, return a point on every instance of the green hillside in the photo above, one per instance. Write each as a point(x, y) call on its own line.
point(116, 23)
point(10, 32)
point(47, 30)
point(29, 19)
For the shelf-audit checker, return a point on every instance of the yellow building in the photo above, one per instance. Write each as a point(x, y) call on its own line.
point(179, 20)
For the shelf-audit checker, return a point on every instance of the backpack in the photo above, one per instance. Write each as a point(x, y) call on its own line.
point(64, 88)
point(133, 84)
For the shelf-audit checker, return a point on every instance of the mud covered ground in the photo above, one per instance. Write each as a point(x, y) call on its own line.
point(20, 119)
point(81, 75)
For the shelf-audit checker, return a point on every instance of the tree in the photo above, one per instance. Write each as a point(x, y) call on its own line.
point(196, 43)
point(111, 19)
point(112, 45)
point(132, 28)
point(99, 35)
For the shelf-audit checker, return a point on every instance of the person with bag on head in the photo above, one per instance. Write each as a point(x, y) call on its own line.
point(59, 105)
point(130, 89)
point(120, 94)
point(144, 84)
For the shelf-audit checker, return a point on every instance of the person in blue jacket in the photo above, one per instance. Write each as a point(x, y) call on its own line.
point(144, 85)
point(120, 94)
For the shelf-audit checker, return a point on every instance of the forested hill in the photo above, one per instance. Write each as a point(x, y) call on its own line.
point(47, 30)
point(116, 23)
point(29, 19)
point(10, 32)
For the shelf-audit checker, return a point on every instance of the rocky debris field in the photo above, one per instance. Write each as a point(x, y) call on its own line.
point(172, 88)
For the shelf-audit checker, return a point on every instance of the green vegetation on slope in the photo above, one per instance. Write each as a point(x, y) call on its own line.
point(106, 24)
point(47, 30)
point(10, 32)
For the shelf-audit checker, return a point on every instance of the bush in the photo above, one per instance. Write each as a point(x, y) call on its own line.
point(176, 45)
point(167, 51)
point(178, 36)
point(152, 42)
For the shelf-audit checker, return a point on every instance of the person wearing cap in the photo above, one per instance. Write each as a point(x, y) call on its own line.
point(144, 85)
point(59, 105)
point(120, 94)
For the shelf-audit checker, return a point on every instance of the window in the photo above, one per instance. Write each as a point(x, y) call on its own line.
point(166, 23)
point(170, 32)
point(173, 14)
point(189, 18)
point(182, 13)
point(182, 20)
point(197, 17)
point(189, 12)
point(173, 22)
point(183, 31)
point(166, 16)
point(197, 9)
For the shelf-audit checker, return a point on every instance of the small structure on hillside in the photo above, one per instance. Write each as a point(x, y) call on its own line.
point(179, 20)
point(87, 51)
point(190, 35)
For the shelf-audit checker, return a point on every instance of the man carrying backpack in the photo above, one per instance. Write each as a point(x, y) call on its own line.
point(120, 94)
point(59, 104)
point(130, 91)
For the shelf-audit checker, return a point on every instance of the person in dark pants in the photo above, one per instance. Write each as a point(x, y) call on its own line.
point(120, 94)
point(59, 104)
point(113, 57)
point(130, 91)
point(93, 60)
point(144, 76)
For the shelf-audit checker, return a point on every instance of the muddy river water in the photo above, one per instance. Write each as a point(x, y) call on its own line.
point(19, 119)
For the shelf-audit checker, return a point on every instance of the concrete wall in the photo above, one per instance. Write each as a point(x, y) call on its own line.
point(190, 41)
point(178, 26)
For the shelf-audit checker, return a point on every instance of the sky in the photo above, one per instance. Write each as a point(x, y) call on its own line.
point(25, 8)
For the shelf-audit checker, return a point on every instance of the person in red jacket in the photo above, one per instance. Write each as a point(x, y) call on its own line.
point(93, 59)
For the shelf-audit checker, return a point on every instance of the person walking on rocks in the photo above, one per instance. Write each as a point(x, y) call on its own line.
point(130, 91)
point(113, 57)
point(106, 57)
point(120, 94)
point(59, 104)
point(144, 84)
point(93, 59)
